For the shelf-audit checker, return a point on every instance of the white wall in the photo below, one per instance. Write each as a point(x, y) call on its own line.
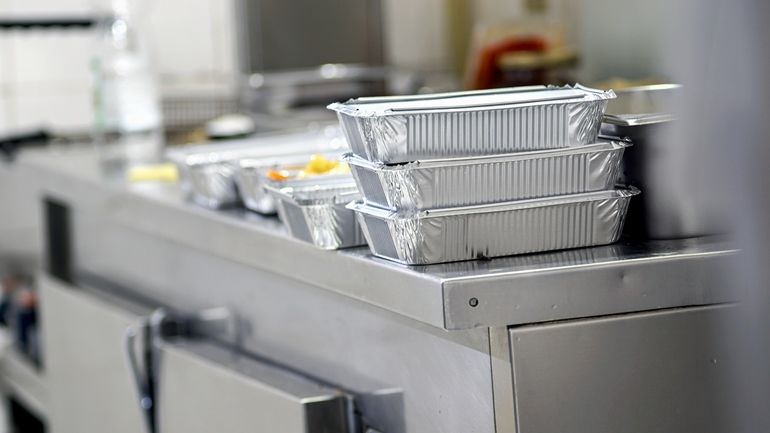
point(44, 74)
point(415, 34)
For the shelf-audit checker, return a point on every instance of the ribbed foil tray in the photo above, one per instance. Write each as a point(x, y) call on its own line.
point(251, 178)
point(208, 171)
point(493, 230)
point(449, 125)
point(314, 210)
point(441, 183)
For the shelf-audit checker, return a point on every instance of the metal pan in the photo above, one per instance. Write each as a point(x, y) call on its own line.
point(450, 125)
point(207, 171)
point(314, 211)
point(469, 181)
point(485, 231)
point(668, 209)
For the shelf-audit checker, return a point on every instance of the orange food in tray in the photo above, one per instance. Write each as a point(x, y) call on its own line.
point(318, 165)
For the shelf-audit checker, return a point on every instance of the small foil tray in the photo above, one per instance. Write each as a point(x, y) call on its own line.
point(208, 171)
point(460, 124)
point(314, 210)
point(442, 183)
point(494, 230)
point(251, 178)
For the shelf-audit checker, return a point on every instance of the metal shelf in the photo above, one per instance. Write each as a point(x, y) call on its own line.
point(24, 381)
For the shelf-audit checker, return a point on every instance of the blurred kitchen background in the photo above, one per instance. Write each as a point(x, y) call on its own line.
point(203, 50)
point(277, 63)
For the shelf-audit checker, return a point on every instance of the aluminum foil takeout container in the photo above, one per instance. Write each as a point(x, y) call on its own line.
point(251, 178)
point(401, 129)
point(314, 210)
point(493, 230)
point(441, 183)
point(208, 171)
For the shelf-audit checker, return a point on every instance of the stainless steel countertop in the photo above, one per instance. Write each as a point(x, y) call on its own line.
point(621, 278)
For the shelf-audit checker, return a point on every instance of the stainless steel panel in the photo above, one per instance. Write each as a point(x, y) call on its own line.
point(668, 207)
point(502, 380)
point(656, 372)
point(19, 222)
point(404, 375)
point(203, 388)
point(290, 34)
point(89, 382)
point(23, 381)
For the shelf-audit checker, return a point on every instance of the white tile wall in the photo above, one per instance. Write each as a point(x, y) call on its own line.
point(45, 76)
point(48, 7)
point(224, 37)
point(415, 34)
point(67, 109)
point(181, 35)
point(51, 56)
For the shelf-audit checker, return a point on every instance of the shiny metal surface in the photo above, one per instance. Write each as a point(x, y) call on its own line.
point(640, 373)
point(204, 388)
point(23, 381)
point(403, 129)
point(404, 375)
point(430, 184)
point(502, 380)
point(19, 223)
point(667, 208)
point(495, 230)
point(626, 277)
point(314, 210)
point(277, 35)
point(88, 380)
point(369, 326)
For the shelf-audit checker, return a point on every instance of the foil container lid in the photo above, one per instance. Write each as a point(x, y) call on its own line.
point(469, 101)
point(368, 209)
point(612, 144)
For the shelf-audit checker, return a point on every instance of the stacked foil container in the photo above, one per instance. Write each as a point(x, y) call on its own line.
point(469, 175)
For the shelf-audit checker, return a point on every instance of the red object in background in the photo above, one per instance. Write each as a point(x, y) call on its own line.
point(488, 74)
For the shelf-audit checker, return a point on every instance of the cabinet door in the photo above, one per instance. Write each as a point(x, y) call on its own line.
point(90, 384)
point(638, 373)
point(203, 388)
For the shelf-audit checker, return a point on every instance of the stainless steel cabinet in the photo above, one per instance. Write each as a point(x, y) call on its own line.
point(199, 386)
point(85, 365)
point(203, 389)
point(657, 372)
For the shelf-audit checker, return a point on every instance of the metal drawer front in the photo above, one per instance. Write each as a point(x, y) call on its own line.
point(203, 388)
point(85, 366)
point(641, 373)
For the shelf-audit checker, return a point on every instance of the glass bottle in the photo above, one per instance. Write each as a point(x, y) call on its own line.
point(128, 128)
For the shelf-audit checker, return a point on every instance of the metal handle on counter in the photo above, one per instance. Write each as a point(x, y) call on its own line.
point(141, 378)
point(157, 326)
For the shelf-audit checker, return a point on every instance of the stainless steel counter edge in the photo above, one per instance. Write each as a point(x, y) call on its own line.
point(597, 289)
point(239, 236)
point(508, 291)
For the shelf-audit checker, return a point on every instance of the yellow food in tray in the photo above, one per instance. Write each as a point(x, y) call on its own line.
point(319, 165)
